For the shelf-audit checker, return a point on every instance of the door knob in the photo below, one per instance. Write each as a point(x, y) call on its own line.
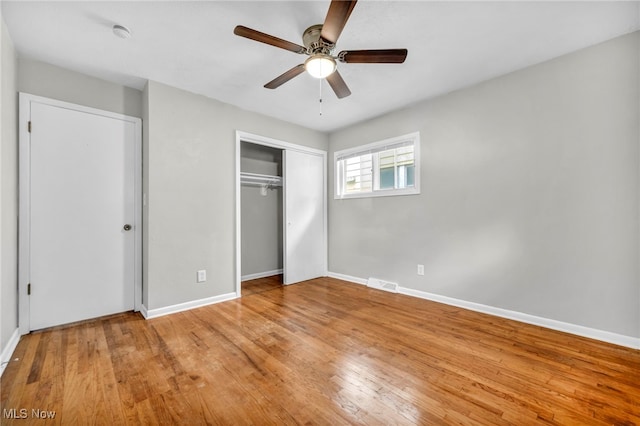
point(127, 227)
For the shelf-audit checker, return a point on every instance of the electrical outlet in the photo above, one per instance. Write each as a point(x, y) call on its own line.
point(202, 275)
point(420, 269)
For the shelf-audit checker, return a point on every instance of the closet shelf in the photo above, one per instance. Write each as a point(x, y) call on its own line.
point(260, 180)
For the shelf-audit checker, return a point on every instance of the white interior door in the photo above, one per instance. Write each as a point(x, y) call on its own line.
point(304, 222)
point(82, 173)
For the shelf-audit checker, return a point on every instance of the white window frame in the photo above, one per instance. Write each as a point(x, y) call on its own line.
point(375, 147)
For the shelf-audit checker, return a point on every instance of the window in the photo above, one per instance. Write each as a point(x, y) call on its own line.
point(388, 167)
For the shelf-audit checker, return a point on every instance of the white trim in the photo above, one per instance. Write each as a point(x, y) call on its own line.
point(24, 208)
point(349, 278)
point(180, 307)
point(261, 275)
point(137, 212)
point(238, 170)
point(274, 143)
point(7, 352)
point(578, 330)
point(379, 193)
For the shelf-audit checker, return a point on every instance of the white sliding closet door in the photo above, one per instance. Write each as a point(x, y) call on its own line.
point(304, 222)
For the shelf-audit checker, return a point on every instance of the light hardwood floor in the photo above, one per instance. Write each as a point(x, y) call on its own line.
point(320, 352)
point(260, 285)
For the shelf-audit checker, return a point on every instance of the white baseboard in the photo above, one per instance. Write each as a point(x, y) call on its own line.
point(158, 312)
point(355, 280)
point(579, 330)
point(143, 311)
point(7, 351)
point(261, 275)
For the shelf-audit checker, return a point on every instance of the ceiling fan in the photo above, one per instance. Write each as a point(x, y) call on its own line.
point(319, 43)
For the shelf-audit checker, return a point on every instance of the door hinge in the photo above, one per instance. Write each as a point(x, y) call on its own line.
point(29, 127)
point(29, 289)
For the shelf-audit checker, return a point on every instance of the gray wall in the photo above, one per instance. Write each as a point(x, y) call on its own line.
point(9, 187)
point(190, 190)
point(42, 79)
point(530, 194)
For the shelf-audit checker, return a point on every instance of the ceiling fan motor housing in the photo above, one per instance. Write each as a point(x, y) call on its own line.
point(311, 35)
point(314, 43)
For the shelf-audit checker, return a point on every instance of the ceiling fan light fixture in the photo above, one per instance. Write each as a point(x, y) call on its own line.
point(320, 65)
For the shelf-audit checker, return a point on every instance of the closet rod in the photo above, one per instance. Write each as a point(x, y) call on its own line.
point(258, 179)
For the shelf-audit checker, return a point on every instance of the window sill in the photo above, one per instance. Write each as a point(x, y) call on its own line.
point(387, 193)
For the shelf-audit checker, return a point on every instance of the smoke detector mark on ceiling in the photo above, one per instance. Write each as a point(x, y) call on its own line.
point(121, 31)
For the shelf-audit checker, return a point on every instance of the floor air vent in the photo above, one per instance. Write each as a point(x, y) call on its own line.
point(382, 285)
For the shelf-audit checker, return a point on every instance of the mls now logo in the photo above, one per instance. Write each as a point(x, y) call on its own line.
point(23, 413)
point(14, 413)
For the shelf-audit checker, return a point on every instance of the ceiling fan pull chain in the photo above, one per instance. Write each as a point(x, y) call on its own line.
point(320, 100)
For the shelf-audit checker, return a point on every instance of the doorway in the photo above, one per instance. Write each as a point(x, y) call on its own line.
point(281, 225)
point(261, 217)
point(80, 204)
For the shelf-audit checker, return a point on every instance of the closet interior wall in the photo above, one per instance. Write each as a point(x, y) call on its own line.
point(261, 213)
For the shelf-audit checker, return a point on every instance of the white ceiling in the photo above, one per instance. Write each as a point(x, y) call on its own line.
point(191, 45)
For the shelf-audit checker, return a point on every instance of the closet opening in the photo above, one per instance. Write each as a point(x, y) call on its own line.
point(261, 218)
point(281, 213)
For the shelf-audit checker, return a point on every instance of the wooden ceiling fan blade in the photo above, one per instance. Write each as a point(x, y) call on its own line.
point(268, 39)
point(283, 78)
point(381, 56)
point(336, 19)
point(338, 85)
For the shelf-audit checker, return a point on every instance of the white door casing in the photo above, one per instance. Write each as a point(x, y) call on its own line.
point(79, 185)
point(321, 157)
point(304, 199)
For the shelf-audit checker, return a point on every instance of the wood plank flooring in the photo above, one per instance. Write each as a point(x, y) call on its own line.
point(260, 285)
point(321, 352)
